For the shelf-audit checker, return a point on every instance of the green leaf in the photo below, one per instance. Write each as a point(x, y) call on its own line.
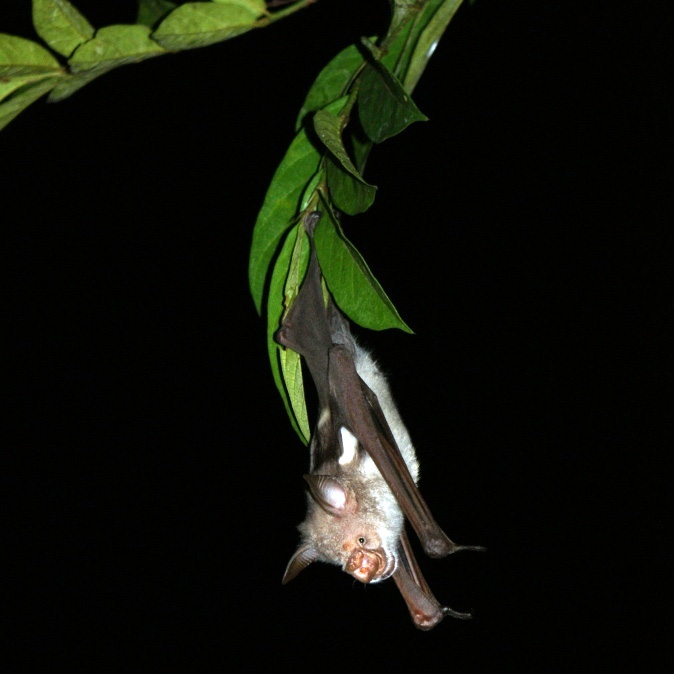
point(112, 46)
point(291, 370)
point(71, 83)
point(151, 11)
point(310, 189)
point(9, 85)
point(349, 194)
point(404, 46)
point(402, 12)
point(22, 98)
point(384, 108)
point(329, 129)
point(291, 366)
point(360, 146)
point(332, 82)
point(285, 281)
point(398, 44)
point(428, 41)
point(349, 191)
point(356, 291)
point(60, 25)
point(259, 6)
point(19, 56)
point(299, 262)
point(280, 206)
point(197, 24)
point(115, 46)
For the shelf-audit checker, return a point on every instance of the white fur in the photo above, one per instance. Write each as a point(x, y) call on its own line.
point(371, 374)
point(378, 519)
point(349, 446)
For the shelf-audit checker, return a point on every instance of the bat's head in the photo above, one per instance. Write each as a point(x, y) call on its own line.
point(347, 525)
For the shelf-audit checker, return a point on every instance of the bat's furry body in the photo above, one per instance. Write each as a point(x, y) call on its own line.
point(370, 373)
point(369, 526)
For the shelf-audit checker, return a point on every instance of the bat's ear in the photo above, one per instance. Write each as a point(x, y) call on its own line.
point(300, 560)
point(333, 496)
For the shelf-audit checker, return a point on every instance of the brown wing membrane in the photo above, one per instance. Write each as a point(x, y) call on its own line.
point(364, 416)
point(305, 328)
point(425, 609)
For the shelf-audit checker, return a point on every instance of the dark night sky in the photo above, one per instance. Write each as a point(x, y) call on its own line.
point(522, 232)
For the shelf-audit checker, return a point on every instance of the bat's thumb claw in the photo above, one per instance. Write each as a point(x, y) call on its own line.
point(475, 548)
point(442, 546)
point(456, 614)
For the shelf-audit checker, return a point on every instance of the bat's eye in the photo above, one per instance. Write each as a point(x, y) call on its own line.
point(361, 540)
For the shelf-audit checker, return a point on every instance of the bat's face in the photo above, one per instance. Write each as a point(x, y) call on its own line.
point(348, 524)
point(369, 566)
point(355, 540)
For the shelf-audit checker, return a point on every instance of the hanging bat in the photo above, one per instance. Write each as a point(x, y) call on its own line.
point(363, 467)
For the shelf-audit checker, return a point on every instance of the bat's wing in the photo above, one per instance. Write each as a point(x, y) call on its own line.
point(359, 407)
point(305, 328)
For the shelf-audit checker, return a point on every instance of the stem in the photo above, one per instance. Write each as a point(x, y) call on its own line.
point(282, 13)
point(345, 114)
point(402, 11)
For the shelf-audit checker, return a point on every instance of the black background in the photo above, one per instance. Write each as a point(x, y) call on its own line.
point(154, 482)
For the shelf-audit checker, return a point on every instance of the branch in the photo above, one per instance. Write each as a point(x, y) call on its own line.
point(29, 70)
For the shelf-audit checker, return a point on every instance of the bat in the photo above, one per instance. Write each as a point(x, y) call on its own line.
point(363, 466)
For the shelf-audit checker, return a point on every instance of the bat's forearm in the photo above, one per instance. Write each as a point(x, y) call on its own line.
point(361, 407)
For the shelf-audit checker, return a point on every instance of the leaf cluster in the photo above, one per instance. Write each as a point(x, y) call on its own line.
point(360, 99)
point(28, 70)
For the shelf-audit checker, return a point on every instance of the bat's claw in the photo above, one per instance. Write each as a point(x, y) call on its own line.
point(441, 546)
point(475, 548)
point(456, 614)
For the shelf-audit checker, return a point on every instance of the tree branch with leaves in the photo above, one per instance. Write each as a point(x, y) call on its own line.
point(358, 100)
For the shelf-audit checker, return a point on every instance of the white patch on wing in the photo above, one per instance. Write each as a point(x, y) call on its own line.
point(349, 446)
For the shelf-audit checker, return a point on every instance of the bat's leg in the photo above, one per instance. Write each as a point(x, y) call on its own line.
point(424, 608)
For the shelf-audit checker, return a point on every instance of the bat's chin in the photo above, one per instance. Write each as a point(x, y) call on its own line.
point(370, 566)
